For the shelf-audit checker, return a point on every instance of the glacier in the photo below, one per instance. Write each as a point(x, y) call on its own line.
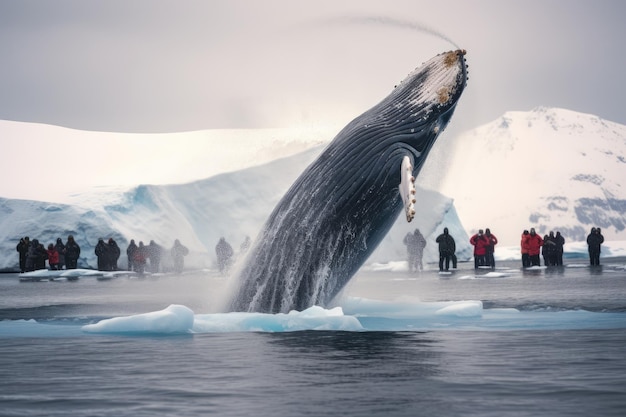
point(233, 205)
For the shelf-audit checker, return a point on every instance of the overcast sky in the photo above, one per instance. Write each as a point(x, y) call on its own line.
point(168, 66)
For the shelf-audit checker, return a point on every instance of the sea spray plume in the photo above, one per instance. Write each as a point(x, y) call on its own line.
point(341, 207)
point(389, 22)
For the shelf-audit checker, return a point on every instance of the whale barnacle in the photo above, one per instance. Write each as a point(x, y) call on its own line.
point(443, 95)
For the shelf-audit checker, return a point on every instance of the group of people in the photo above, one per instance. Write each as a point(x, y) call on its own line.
point(107, 253)
point(550, 247)
point(149, 256)
point(33, 254)
point(484, 247)
point(415, 244)
point(533, 246)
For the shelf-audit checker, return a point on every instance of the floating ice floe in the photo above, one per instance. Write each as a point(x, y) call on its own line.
point(172, 320)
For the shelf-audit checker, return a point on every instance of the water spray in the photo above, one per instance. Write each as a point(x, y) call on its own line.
point(392, 22)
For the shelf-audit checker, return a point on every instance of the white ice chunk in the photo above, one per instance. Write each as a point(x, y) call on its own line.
point(173, 319)
point(313, 318)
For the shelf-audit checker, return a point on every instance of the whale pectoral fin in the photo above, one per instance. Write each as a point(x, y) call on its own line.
point(407, 188)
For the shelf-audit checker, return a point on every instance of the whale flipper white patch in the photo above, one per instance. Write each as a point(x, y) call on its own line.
point(407, 188)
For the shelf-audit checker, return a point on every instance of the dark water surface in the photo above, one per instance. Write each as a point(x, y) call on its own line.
point(473, 372)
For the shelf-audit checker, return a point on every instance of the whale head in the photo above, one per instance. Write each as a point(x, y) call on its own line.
point(419, 108)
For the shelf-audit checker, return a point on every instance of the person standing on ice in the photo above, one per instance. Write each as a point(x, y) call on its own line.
point(409, 241)
point(72, 253)
point(534, 242)
point(490, 249)
point(101, 252)
point(113, 252)
point(594, 241)
point(420, 244)
point(447, 247)
point(60, 247)
point(53, 257)
point(480, 243)
point(139, 258)
point(224, 253)
point(130, 253)
point(22, 249)
point(154, 253)
point(36, 256)
point(559, 240)
point(179, 252)
point(524, 249)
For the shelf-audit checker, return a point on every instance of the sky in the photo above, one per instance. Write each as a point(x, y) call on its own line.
point(173, 66)
point(163, 67)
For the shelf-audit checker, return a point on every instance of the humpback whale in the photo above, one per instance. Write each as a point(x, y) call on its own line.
point(340, 208)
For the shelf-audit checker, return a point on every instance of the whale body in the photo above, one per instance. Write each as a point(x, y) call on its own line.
point(341, 207)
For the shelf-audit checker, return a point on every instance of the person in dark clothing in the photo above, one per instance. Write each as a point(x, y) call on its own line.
point(113, 254)
point(409, 242)
point(415, 244)
point(72, 253)
point(559, 241)
point(179, 252)
point(139, 258)
point(420, 244)
point(447, 247)
point(155, 251)
point(42, 257)
point(101, 252)
point(36, 255)
point(22, 249)
point(60, 248)
point(490, 249)
point(224, 254)
point(549, 250)
point(594, 241)
point(130, 253)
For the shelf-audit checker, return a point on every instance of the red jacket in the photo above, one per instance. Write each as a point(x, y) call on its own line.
point(480, 244)
point(534, 244)
point(524, 243)
point(53, 256)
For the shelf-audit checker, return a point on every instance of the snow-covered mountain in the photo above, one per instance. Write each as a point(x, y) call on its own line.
point(49, 163)
point(231, 205)
point(549, 168)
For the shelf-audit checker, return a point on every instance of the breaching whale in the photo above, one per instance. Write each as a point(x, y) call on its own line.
point(341, 207)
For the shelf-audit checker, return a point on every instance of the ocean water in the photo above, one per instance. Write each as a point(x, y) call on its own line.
point(543, 342)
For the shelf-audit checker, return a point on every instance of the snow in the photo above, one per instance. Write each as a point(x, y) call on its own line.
point(233, 205)
point(83, 161)
point(551, 169)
